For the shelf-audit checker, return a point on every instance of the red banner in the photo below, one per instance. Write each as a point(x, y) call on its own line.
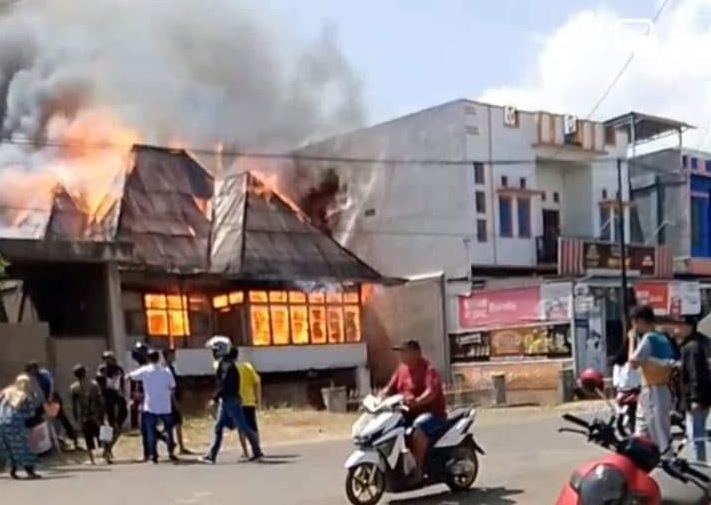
point(654, 294)
point(501, 307)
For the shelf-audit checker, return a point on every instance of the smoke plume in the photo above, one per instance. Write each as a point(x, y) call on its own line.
point(173, 71)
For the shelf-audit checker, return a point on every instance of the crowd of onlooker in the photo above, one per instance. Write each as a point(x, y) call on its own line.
point(102, 403)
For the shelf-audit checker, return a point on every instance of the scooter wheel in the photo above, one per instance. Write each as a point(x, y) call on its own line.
point(365, 484)
point(458, 482)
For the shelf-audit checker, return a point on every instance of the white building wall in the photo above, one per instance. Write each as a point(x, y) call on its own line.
point(417, 218)
point(412, 218)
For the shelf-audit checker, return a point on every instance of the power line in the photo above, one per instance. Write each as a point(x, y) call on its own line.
point(295, 156)
point(625, 66)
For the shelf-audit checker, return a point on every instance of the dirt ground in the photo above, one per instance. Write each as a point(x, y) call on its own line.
point(286, 426)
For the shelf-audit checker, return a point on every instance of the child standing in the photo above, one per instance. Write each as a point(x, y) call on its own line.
point(88, 410)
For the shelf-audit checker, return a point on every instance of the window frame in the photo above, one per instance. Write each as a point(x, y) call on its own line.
point(524, 232)
point(482, 234)
point(505, 231)
point(479, 173)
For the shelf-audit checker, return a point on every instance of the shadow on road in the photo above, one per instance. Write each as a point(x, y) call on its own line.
point(479, 496)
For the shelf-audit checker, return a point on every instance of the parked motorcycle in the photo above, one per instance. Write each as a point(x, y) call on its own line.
point(634, 474)
point(626, 410)
point(382, 462)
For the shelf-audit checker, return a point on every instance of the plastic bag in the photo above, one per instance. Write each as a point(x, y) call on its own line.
point(106, 433)
point(625, 378)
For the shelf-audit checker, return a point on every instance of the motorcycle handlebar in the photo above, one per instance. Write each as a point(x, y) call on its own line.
point(692, 472)
point(576, 420)
point(674, 471)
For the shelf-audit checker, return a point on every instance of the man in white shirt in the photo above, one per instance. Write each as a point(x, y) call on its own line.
point(158, 388)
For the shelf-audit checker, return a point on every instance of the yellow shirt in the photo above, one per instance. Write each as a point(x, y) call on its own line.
point(248, 381)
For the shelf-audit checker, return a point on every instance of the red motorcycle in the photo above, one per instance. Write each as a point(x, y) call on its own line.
point(634, 474)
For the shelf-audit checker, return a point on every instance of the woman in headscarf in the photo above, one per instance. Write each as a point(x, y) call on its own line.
point(16, 407)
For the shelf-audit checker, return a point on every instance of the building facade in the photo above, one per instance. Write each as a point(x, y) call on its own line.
point(496, 198)
point(671, 189)
point(533, 176)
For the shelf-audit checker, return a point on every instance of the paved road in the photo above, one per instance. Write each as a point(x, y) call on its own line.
point(527, 462)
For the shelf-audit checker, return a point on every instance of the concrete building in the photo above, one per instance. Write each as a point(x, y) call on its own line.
point(671, 189)
point(532, 175)
point(497, 198)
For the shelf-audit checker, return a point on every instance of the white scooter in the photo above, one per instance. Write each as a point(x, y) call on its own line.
point(382, 461)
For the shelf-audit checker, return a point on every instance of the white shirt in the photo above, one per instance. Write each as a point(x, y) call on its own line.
point(158, 387)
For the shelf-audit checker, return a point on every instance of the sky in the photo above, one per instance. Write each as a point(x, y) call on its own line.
point(557, 55)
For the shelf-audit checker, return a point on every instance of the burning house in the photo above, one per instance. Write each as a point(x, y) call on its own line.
point(171, 254)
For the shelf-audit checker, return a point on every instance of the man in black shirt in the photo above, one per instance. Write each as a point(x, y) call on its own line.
point(695, 383)
point(110, 377)
point(169, 358)
point(230, 412)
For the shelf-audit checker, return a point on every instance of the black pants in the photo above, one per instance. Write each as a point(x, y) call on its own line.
point(67, 425)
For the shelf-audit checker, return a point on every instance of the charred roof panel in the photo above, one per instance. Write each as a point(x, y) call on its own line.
point(165, 210)
point(280, 243)
point(177, 218)
point(68, 221)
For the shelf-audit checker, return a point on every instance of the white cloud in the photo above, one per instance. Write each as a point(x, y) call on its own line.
point(669, 76)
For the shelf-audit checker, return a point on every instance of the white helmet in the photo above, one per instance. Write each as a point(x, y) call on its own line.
point(220, 346)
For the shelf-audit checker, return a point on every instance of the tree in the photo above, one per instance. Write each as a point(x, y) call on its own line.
point(3, 265)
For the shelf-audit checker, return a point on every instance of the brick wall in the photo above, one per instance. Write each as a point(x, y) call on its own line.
point(527, 375)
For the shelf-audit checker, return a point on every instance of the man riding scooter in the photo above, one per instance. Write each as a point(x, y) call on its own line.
point(420, 383)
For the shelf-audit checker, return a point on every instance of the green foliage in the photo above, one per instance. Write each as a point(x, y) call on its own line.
point(3, 265)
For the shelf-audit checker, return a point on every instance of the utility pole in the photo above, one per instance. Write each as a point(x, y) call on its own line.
point(624, 301)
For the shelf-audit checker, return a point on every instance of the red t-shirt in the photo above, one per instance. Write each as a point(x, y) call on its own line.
point(412, 382)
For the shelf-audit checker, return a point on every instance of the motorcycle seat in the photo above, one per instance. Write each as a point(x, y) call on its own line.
point(452, 418)
point(675, 492)
point(458, 413)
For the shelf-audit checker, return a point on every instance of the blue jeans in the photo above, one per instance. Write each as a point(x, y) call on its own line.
point(230, 414)
point(149, 428)
point(696, 432)
point(429, 424)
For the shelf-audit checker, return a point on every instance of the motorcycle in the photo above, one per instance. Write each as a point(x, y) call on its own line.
point(382, 462)
point(634, 474)
point(626, 410)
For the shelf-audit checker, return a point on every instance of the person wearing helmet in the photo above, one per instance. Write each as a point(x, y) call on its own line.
point(230, 412)
point(655, 357)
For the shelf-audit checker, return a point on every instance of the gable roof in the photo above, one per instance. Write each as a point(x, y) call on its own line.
point(276, 239)
point(179, 219)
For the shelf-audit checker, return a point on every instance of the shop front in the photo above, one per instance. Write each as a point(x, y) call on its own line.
point(596, 266)
point(670, 298)
point(524, 333)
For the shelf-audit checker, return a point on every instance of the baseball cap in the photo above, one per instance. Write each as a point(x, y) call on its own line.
point(411, 345)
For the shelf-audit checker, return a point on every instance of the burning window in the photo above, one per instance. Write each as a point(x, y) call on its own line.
point(167, 316)
point(296, 318)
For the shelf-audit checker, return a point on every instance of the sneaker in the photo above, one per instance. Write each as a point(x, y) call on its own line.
point(207, 460)
point(256, 457)
point(173, 458)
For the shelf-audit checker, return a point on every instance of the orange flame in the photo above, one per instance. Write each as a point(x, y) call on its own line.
point(88, 158)
point(268, 182)
point(367, 293)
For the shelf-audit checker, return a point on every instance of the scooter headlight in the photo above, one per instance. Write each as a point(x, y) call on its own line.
point(604, 485)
